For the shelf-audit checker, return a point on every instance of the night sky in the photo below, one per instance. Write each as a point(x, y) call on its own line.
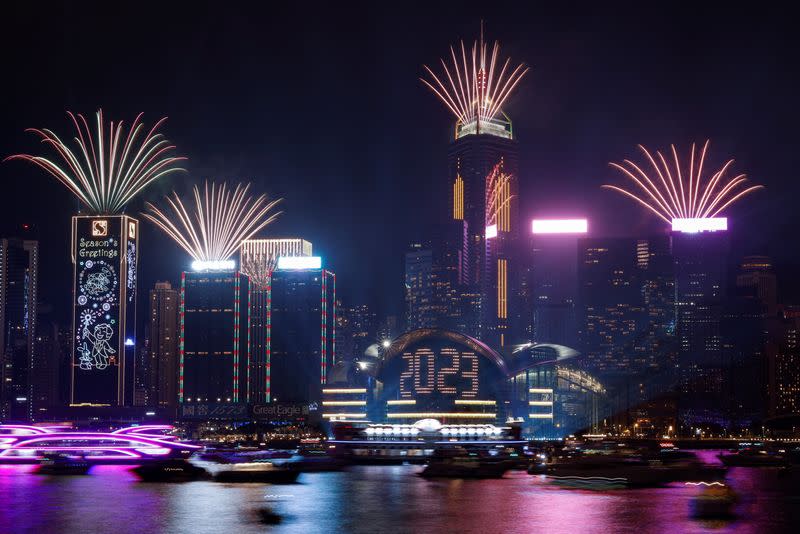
point(322, 106)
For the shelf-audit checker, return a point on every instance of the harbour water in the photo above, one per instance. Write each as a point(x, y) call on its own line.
point(378, 499)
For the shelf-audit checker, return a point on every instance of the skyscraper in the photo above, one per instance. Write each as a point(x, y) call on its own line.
point(363, 323)
point(420, 306)
point(757, 272)
point(142, 388)
point(553, 279)
point(258, 260)
point(626, 318)
point(783, 365)
point(611, 306)
point(483, 185)
point(18, 308)
point(303, 329)
point(45, 371)
point(214, 318)
point(700, 280)
point(744, 327)
point(162, 383)
point(487, 263)
point(104, 258)
point(626, 308)
point(213, 359)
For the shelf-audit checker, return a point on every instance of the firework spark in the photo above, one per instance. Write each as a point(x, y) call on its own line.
point(259, 268)
point(104, 173)
point(474, 86)
point(219, 221)
point(672, 193)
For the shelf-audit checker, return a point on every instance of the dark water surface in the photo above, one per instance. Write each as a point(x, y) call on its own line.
point(377, 499)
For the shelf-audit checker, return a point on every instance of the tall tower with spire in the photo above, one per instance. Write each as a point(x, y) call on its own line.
point(483, 174)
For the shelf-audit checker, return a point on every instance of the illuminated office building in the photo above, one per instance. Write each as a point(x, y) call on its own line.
point(486, 266)
point(18, 308)
point(420, 305)
point(432, 293)
point(258, 260)
point(610, 303)
point(141, 386)
point(500, 313)
point(783, 366)
point(303, 329)
point(162, 383)
point(757, 272)
point(104, 259)
point(553, 279)
point(213, 364)
point(625, 313)
point(45, 371)
point(700, 281)
point(364, 325)
point(483, 188)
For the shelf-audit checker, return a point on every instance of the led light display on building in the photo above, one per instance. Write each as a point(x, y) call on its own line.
point(559, 226)
point(440, 374)
point(104, 256)
point(213, 363)
point(214, 265)
point(693, 226)
point(286, 263)
point(446, 371)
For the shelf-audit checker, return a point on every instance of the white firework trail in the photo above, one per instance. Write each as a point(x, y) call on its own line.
point(216, 222)
point(673, 192)
point(474, 85)
point(106, 171)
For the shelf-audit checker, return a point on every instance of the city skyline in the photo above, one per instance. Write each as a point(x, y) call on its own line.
point(560, 165)
point(335, 252)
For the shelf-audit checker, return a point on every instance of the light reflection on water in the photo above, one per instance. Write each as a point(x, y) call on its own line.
point(376, 499)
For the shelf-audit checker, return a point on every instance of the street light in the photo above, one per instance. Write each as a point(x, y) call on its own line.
point(386, 343)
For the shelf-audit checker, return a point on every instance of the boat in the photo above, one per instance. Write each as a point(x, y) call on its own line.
point(61, 464)
point(632, 470)
point(460, 464)
point(755, 457)
point(172, 470)
point(315, 460)
point(245, 467)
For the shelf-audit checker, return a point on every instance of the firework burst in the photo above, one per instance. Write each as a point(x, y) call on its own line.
point(106, 171)
point(475, 85)
point(673, 193)
point(218, 221)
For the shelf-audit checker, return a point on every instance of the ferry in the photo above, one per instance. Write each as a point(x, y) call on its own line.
point(454, 463)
